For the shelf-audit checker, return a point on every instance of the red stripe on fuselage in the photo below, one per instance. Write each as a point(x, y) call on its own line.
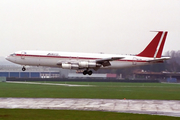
point(47, 56)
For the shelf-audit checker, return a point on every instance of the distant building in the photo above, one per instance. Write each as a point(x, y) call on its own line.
point(163, 76)
point(33, 72)
point(80, 75)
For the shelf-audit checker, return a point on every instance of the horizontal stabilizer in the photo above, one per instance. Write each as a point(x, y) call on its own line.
point(159, 59)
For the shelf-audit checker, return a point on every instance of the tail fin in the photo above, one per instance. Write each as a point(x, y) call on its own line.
point(155, 47)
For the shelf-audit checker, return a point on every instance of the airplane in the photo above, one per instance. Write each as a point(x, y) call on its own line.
point(88, 61)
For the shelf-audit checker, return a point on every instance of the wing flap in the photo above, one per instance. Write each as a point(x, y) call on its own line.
point(108, 59)
point(105, 61)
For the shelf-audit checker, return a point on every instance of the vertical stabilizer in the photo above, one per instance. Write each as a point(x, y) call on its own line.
point(155, 47)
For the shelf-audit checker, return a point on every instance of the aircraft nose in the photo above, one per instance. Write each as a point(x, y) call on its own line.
point(7, 58)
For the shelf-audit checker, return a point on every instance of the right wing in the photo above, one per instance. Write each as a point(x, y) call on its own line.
point(105, 61)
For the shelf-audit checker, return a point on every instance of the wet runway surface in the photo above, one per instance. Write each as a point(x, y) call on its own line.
point(155, 107)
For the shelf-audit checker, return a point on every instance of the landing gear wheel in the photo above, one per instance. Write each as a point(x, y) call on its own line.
point(90, 72)
point(23, 69)
point(85, 72)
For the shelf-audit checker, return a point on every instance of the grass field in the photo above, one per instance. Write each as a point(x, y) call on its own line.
point(23, 114)
point(156, 91)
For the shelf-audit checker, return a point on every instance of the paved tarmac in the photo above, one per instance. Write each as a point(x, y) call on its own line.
point(155, 107)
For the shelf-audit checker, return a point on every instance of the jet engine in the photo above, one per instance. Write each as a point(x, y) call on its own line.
point(86, 64)
point(69, 66)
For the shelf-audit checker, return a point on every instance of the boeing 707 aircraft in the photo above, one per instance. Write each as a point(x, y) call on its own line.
point(88, 61)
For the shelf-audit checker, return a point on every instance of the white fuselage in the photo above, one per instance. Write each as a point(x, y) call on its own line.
point(71, 60)
point(52, 58)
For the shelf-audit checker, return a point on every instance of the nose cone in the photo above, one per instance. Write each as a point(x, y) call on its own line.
point(7, 58)
point(11, 58)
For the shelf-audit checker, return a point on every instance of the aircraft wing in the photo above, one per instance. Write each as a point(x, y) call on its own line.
point(159, 59)
point(105, 61)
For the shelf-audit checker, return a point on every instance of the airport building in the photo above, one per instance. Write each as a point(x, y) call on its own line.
point(32, 72)
point(14, 71)
point(163, 76)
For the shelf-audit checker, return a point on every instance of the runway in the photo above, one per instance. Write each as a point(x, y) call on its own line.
point(37, 83)
point(153, 107)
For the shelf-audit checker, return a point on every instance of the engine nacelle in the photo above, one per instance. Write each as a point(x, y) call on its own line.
point(69, 66)
point(86, 64)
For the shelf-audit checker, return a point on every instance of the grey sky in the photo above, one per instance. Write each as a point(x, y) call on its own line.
point(109, 26)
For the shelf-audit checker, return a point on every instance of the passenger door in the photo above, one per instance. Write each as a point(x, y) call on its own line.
point(23, 54)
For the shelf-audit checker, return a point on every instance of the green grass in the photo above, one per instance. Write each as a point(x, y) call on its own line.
point(103, 90)
point(28, 114)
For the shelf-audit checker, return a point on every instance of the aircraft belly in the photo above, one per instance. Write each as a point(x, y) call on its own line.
point(123, 64)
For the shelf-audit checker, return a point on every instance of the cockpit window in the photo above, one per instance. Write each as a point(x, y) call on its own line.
point(13, 54)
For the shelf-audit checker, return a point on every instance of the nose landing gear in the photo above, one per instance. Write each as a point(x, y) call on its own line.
point(23, 69)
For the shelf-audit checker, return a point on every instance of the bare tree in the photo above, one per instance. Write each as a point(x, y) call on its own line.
point(173, 65)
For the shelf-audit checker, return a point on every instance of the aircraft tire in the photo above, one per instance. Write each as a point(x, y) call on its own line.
point(90, 72)
point(84, 72)
point(23, 69)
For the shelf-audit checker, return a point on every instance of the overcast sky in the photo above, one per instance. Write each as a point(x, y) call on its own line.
point(109, 26)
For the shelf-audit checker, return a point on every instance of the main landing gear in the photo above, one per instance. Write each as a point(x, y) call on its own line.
point(23, 69)
point(89, 72)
